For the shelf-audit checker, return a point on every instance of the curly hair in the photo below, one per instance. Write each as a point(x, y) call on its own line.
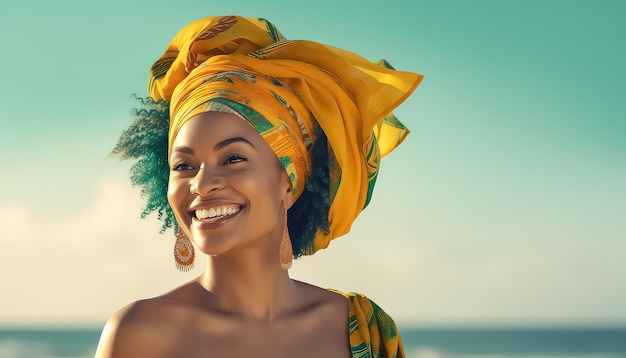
point(145, 141)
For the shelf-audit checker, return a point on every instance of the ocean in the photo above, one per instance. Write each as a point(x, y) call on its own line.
point(418, 343)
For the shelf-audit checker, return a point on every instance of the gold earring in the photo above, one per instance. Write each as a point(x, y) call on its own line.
point(286, 251)
point(184, 253)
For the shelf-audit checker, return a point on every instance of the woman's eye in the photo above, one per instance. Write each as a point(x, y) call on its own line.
point(181, 166)
point(235, 158)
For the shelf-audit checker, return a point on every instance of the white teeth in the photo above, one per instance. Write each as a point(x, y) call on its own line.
point(215, 212)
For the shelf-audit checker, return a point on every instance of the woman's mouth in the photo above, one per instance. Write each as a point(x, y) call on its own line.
point(216, 213)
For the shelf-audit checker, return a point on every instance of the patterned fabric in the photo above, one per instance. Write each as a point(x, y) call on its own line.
point(373, 334)
point(262, 101)
point(285, 89)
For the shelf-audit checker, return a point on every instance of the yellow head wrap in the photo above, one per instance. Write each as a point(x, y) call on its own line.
point(285, 89)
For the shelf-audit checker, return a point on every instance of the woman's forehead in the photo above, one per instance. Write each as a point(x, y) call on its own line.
point(216, 130)
point(211, 126)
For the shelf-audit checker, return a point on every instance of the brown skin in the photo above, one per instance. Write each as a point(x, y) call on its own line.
point(244, 304)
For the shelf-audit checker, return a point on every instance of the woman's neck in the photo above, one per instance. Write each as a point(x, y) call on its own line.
point(249, 285)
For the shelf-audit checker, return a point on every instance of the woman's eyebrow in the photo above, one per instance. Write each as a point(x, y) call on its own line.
point(229, 141)
point(218, 146)
point(186, 150)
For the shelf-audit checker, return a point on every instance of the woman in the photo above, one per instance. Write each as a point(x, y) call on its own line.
point(272, 151)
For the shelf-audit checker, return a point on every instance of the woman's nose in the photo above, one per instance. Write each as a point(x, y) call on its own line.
point(206, 181)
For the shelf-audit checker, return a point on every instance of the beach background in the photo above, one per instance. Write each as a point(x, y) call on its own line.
point(418, 343)
point(499, 223)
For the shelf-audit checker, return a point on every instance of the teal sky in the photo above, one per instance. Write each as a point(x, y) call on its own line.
point(505, 205)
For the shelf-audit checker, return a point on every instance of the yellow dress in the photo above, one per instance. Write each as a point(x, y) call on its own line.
point(373, 333)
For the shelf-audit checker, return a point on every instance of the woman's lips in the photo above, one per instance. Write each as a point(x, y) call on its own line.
point(216, 212)
point(212, 223)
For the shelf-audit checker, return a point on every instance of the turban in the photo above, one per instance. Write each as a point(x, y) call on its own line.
point(285, 90)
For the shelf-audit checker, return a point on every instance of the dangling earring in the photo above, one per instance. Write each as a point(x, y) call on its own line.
point(286, 251)
point(184, 253)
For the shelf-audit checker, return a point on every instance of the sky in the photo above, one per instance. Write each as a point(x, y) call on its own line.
point(505, 206)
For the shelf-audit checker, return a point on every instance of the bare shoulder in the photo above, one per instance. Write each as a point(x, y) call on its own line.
point(326, 300)
point(322, 318)
point(146, 328)
point(133, 331)
point(328, 308)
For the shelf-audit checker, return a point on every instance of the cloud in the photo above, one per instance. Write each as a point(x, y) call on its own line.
point(83, 267)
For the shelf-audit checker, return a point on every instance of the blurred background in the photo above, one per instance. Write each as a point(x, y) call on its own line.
point(497, 229)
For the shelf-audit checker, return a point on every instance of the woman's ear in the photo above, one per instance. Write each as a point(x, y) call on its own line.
point(288, 194)
point(288, 198)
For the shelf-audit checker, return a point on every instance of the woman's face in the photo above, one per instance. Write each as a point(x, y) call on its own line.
point(226, 187)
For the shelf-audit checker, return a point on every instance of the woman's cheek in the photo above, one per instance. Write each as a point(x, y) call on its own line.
point(176, 197)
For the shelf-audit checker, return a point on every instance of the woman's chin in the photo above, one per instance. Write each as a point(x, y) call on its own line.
point(211, 247)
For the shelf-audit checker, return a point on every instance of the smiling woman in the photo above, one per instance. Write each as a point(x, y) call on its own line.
point(227, 188)
point(256, 150)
